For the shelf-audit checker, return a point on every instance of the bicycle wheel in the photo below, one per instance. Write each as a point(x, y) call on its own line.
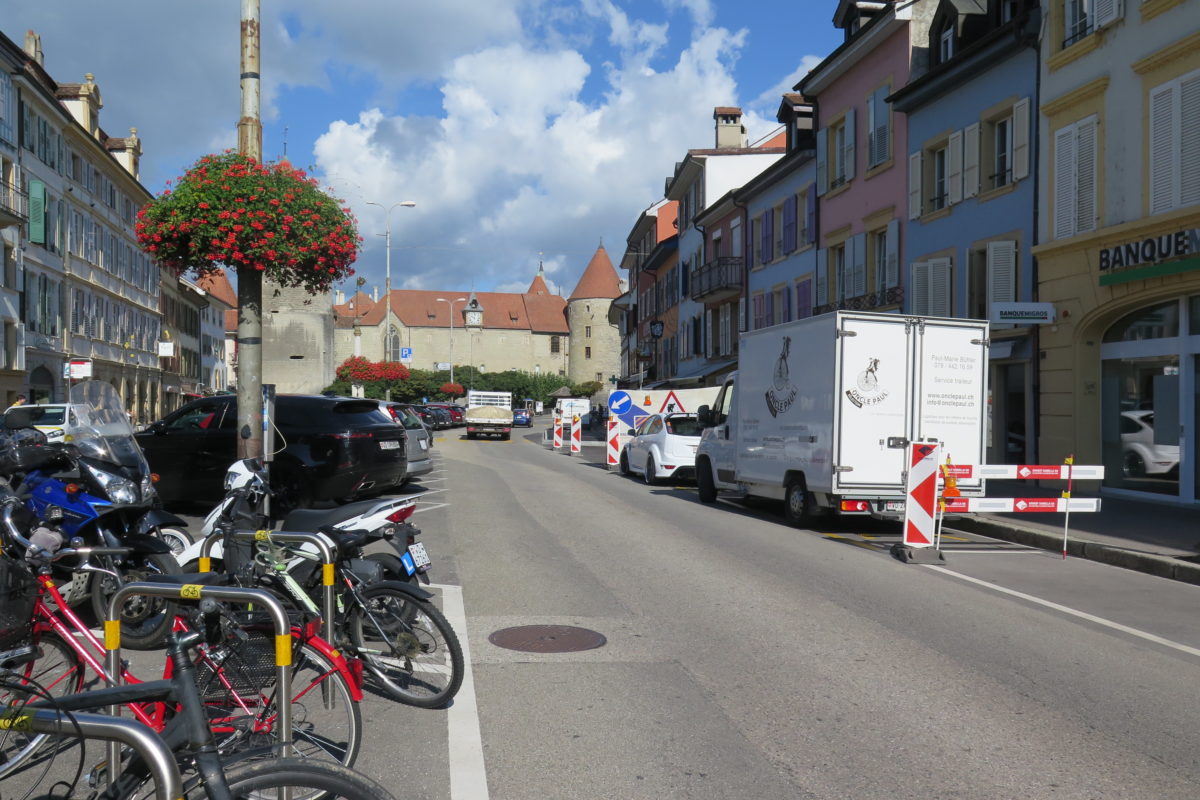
point(58, 672)
point(237, 682)
point(261, 780)
point(407, 646)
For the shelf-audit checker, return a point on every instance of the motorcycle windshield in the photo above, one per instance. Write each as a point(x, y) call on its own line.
point(102, 430)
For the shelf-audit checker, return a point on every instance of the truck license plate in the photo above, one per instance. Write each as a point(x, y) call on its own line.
point(420, 557)
point(893, 505)
point(389, 445)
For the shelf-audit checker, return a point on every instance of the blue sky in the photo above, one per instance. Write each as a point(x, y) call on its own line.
point(525, 130)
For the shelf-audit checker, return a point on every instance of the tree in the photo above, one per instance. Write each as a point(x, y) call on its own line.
point(229, 211)
point(451, 390)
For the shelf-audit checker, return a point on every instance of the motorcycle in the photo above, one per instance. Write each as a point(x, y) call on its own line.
point(98, 487)
point(246, 502)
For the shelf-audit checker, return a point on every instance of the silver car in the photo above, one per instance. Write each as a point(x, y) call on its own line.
point(419, 444)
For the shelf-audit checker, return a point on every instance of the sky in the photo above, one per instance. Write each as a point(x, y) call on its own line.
point(526, 131)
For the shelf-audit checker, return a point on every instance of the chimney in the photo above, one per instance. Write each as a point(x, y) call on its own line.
point(730, 130)
point(33, 47)
point(339, 298)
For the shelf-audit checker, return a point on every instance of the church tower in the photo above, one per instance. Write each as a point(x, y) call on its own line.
point(595, 352)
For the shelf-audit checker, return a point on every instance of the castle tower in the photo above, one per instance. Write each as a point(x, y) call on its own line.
point(595, 352)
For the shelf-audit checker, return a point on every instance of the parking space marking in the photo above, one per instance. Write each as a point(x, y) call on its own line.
point(430, 507)
point(468, 774)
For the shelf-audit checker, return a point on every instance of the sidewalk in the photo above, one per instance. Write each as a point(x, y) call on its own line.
point(1157, 538)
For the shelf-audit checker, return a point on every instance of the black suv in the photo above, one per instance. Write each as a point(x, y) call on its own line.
point(330, 448)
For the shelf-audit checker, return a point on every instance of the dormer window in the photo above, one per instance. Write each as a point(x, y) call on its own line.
point(946, 44)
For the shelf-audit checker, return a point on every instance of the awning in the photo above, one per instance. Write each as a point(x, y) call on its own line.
point(696, 374)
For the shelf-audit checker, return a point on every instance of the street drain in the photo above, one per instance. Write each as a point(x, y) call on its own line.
point(547, 639)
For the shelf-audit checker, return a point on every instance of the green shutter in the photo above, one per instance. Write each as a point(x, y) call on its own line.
point(37, 212)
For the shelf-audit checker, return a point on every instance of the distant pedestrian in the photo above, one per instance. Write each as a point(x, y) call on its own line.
point(20, 401)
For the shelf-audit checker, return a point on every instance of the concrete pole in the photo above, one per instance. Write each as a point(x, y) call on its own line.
point(250, 280)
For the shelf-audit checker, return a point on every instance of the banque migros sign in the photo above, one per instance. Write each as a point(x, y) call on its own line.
point(1151, 250)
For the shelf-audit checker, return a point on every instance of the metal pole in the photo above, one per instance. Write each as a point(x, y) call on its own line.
point(387, 298)
point(249, 335)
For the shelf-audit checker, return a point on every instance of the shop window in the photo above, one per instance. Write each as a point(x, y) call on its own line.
point(1156, 322)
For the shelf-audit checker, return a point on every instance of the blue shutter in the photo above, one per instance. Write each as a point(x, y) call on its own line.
point(810, 214)
point(789, 223)
point(768, 232)
point(750, 243)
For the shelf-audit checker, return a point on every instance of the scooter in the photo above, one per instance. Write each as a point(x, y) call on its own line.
point(246, 498)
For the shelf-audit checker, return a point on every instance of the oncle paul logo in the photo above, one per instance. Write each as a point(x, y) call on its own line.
point(867, 392)
point(782, 391)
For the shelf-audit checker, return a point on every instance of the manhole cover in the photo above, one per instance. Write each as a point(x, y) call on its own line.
point(547, 639)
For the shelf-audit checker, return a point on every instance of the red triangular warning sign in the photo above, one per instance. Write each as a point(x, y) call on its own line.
point(671, 404)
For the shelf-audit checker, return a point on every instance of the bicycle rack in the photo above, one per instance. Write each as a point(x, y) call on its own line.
point(167, 783)
point(193, 591)
point(320, 542)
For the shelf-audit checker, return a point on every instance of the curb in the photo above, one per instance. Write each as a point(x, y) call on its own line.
point(1150, 563)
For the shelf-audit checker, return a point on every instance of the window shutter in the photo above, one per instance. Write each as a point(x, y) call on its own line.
point(768, 236)
point(810, 214)
point(708, 333)
point(20, 354)
point(849, 144)
point(1107, 11)
point(954, 154)
point(1002, 272)
point(919, 304)
point(892, 265)
point(37, 212)
point(822, 269)
point(822, 161)
point(1189, 141)
point(858, 267)
point(1020, 139)
point(882, 125)
point(1085, 150)
point(1064, 182)
point(970, 175)
point(789, 223)
point(741, 314)
point(751, 243)
point(940, 304)
point(1162, 149)
point(914, 185)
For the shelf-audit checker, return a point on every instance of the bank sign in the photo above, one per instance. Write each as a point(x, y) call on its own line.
point(1151, 250)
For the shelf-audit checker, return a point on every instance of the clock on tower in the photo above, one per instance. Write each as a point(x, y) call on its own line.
point(473, 312)
point(474, 317)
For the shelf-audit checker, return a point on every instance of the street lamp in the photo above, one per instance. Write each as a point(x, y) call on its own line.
point(387, 281)
point(451, 304)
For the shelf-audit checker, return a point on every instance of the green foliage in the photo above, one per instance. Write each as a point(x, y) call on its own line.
point(422, 384)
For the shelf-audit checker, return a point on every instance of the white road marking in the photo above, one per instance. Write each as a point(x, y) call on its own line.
point(468, 775)
point(1108, 623)
point(1005, 552)
point(430, 507)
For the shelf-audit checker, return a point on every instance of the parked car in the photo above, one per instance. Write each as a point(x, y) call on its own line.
point(522, 418)
point(663, 446)
point(1140, 454)
point(420, 440)
point(423, 414)
point(441, 417)
point(332, 448)
point(456, 412)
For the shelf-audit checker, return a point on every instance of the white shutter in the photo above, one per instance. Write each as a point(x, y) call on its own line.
point(940, 301)
point(919, 304)
point(849, 144)
point(971, 160)
point(892, 263)
point(1020, 139)
point(822, 271)
point(1106, 12)
point(1085, 173)
point(914, 185)
point(1163, 152)
point(858, 270)
point(1189, 140)
point(954, 170)
point(1064, 182)
point(822, 162)
point(1002, 272)
point(20, 349)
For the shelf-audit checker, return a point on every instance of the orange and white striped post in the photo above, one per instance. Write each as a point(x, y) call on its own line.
point(576, 435)
point(557, 429)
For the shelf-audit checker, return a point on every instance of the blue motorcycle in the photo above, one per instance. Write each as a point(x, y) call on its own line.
point(97, 486)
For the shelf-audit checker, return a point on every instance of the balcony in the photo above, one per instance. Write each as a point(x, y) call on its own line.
point(14, 205)
point(893, 296)
point(719, 279)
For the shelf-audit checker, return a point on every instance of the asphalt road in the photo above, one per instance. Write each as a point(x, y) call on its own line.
point(747, 659)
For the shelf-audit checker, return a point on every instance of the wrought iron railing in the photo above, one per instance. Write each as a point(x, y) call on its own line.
point(14, 201)
point(720, 274)
point(867, 302)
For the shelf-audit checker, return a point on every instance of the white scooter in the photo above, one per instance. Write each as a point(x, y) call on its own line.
point(246, 484)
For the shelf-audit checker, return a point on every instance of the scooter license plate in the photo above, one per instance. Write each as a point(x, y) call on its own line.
point(419, 556)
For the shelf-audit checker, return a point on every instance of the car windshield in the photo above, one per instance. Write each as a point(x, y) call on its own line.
point(684, 426)
point(360, 412)
point(102, 430)
point(50, 415)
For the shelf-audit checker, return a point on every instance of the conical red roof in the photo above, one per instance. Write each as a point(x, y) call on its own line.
point(599, 279)
point(538, 286)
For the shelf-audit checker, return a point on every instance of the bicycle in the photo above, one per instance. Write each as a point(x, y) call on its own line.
point(241, 696)
point(188, 739)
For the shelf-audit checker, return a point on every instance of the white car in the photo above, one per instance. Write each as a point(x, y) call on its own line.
point(53, 420)
point(663, 446)
point(1140, 454)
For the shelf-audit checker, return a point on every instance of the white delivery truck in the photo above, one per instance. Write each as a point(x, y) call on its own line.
point(568, 407)
point(489, 413)
point(821, 411)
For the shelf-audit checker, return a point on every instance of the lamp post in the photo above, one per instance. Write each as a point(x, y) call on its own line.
point(387, 280)
point(451, 304)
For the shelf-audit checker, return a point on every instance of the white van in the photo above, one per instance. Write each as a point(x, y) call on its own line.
point(54, 420)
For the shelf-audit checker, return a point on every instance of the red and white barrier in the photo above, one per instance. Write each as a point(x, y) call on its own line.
point(576, 435)
point(613, 447)
point(1019, 505)
point(1049, 472)
point(557, 431)
point(921, 503)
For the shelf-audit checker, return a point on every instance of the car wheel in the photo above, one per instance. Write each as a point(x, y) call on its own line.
point(705, 488)
point(797, 503)
point(623, 465)
point(1134, 466)
point(649, 475)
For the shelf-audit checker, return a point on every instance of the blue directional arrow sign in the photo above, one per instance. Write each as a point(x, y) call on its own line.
point(619, 402)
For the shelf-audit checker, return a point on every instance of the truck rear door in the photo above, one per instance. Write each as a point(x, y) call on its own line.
point(873, 403)
point(951, 378)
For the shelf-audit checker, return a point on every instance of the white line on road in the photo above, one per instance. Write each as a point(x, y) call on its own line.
point(431, 507)
point(1108, 623)
point(1003, 552)
point(468, 775)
